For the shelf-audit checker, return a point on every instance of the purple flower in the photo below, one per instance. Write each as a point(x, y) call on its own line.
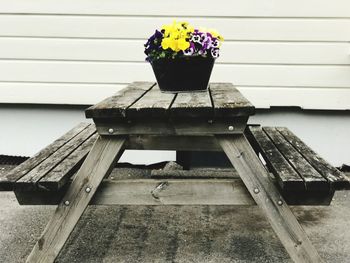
point(215, 52)
point(215, 43)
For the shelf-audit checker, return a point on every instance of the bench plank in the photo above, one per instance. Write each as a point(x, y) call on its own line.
point(313, 180)
point(337, 179)
point(116, 105)
point(59, 176)
point(8, 180)
point(152, 104)
point(287, 177)
point(29, 181)
point(194, 104)
point(228, 101)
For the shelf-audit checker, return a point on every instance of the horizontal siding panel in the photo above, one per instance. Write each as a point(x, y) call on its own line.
point(56, 93)
point(305, 98)
point(113, 72)
point(87, 94)
point(266, 29)
point(296, 8)
point(132, 50)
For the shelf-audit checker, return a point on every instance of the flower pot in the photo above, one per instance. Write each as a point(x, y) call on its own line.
point(183, 74)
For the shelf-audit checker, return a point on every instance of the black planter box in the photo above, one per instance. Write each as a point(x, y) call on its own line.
point(183, 74)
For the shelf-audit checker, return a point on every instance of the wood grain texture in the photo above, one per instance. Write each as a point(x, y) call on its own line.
point(228, 101)
point(134, 102)
point(286, 176)
point(97, 165)
point(337, 179)
point(183, 143)
point(7, 181)
point(115, 106)
point(154, 104)
point(194, 104)
point(313, 180)
point(59, 176)
point(281, 218)
point(193, 127)
point(30, 180)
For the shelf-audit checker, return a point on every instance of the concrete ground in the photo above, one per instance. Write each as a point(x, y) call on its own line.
point(174, 233)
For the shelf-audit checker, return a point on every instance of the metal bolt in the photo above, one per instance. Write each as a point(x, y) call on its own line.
point(112, 177)
point(110, 130)
point(88, 189)
point(280, 202)
point(210, 121)
point(230, 128)
point(66, 203)
point(256, 190)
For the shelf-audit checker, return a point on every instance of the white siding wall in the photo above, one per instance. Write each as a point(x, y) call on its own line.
point(278, 52)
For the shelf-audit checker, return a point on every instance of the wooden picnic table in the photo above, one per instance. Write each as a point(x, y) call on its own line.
point(141, 116)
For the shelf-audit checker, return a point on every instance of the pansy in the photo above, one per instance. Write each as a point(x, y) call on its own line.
point(181, 39)
point(215, 52)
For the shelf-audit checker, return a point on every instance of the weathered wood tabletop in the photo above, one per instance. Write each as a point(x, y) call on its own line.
point(143, 107)
point(144, 99)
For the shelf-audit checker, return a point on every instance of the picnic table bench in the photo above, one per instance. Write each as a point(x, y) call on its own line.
point(272, 167)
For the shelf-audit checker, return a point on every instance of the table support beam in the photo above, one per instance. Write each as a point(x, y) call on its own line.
point(267, 197)
point(97, 165)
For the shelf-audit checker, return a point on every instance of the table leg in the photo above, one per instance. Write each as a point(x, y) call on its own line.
point(97, 165)
point(268, 198)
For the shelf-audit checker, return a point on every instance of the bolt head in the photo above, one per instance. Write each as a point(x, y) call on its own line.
point(210, 121)
point(88, 189)
point(280, 202)
point(256, 190)
point(110, 130)
point(66, 203)
point(230, 128)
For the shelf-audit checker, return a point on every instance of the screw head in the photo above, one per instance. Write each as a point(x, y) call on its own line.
point(280, 202)
point(66, 203)
point(256, 190)
point(110, 130)
point(210, 121)
point(230, 128)
point(88, 189)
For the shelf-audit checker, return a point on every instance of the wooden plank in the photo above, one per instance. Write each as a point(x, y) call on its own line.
point(228, 101)
point(337, 179)
point(70, 49)
point(7, 181)
point(181, 192)
point(180, 143)
point(192, 105)
point(204, 173)
point(115, 106)
point(97, 165)
point(269, 200)
point(30, 180)
point(287, 177)
point(175, 192)
point(193, 127)
point(313, 180)
point(251, 8)
point(59, 176)
point(153, 104)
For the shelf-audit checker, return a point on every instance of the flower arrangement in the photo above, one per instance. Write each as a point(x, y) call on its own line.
point(180, 39)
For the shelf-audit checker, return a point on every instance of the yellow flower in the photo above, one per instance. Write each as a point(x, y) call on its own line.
point(183, 44)
point(176, 36)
